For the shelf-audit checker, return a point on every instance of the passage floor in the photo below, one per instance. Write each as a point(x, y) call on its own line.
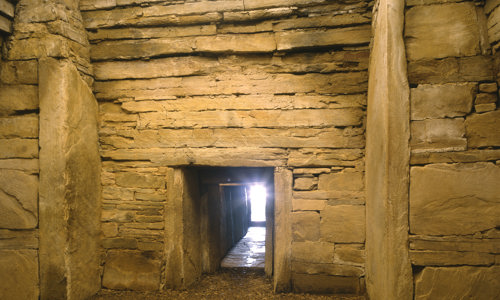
point(249, 252)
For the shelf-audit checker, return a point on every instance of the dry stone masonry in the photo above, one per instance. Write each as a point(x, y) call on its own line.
point(234, 83)
point(454, 192)
point(376, 124)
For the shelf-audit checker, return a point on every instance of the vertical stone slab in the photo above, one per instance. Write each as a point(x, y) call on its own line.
point(388, 269)
point(182, 235)
point(69, 184)
point(283, 181)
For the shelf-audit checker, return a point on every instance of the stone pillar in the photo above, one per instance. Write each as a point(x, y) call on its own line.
point(283, 180)
point(388, 269)
point(69, 184)
point(182, 236)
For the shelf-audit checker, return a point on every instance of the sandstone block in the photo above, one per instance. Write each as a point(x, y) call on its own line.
point(346, 180)
point(256, 118)
point(350, 253)
point(117, 216)
point(19, 200)
point(483, 98)
point(485, 244)
point(131, 270)
point(474, 68)
point(19, 274)
point(440, 101)
point(164, 67)
point(448, 199)
point(258, 42)
point(259, 4)
point(480, 108)
point(322, 21)
point(304, 205)
point(327, 269)
point(343, 224)
point(18, 97)
point(458, 33)
point(25, 126)
point(261, 14)
point(128, 179)
point(304, 183)
point(323, 252)
point(324, 284)
point(19, 72)
point(482, 129)
point(18, 239)
point(310, 157)
point(458, 283)
point(154, 32)
point(49, 45)
point(305, 226)
point(109, 229)
point(450, 157)
point(450, 258)
point(341, 36)
point(438, 135)
point(28, 165)
point(490, 87)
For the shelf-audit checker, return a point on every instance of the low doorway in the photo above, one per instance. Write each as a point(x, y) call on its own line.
point(210, 210)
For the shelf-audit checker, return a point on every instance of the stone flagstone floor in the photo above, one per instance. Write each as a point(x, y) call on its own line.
point(249, 252)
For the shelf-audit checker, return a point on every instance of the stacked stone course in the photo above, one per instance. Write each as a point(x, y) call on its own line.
point(454, 193)
point(236, 83)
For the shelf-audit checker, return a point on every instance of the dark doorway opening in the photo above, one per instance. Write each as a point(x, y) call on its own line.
point(236, 217)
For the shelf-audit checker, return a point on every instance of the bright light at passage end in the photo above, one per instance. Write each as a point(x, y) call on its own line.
point(258, 202)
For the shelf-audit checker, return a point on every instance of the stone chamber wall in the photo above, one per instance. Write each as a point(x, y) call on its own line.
point(48, 132)
point(272, 84)
point(233, 83)
point(454, 204)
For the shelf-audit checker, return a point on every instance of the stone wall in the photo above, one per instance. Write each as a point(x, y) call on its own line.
point(454, 208)
point(234, 83)
point(41, 29)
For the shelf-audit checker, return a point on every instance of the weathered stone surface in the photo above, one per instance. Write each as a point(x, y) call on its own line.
point(18, 97)
point(304, 183)
point(484, 244)
point(19, 200)
point(480, 108)
point(337, 83)
point(458, 33)
point(127, 179)
point(310, 157)
point(19, 72)
point(346, 180)
point(322, 21)
point(458, 282)
point(49, 45)
point(324, 284)
point(450, 199)
point(69, 194)
point(352, 254)
point(164, 67)
point(258, 42)
point(16, 284)
point(323, 252)
point(440, 101)
point(343, 224)
point(18, 239)
point(475, 68)
point(252, 119)
point(301, 204)
point(151, 32)
point(342, 36)
point(131, 270)
point(327, 269)
point(482, 129)
point(484, 98)
point(438, 135)
point(451, 157)
point(25, 126)
point(333, 197)
point(18, 148)
point(121, 243)
point(489, 87)
point(450, 258)
point(305, 226)
point(235, 137)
